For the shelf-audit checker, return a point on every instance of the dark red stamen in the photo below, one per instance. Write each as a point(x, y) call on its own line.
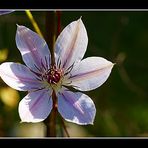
point(53, 75)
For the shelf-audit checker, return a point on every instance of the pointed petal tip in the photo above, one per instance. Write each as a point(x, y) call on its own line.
point(23, 121)
point(89, 123)
point(80, 123)
point(110, 64)
point(114, 64)
point(92, 123)
point(18, 26)
point(80, 19)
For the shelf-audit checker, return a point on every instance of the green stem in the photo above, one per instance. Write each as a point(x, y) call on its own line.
point(34, 23)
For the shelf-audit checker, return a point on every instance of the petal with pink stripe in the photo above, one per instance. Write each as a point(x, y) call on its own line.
point(36, 106)
point(19, 77)
point(76, 107)
point(33, 48)
point(90, 73)
point(71, 44)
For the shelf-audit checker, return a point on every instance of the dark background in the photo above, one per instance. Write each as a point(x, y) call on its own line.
point(121, 102)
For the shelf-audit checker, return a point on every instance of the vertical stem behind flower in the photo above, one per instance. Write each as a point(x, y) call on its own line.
point(51, 120)
point(58, 13)
point(50, 36)
point(58, 22)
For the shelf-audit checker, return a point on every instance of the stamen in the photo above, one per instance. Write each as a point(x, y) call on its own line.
point(53, 75)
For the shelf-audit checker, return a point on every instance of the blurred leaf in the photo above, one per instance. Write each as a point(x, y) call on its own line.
point(33, 130)
point(9, 97)
point(3, 54)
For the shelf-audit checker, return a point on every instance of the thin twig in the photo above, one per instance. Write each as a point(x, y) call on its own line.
point(130, 84)
point(64, 127)
point(34, 23)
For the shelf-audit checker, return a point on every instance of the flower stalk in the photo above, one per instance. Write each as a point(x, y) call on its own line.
point(58, 22)
point(50, 36)
point(50, 122)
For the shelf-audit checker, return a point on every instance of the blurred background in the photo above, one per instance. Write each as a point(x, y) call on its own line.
point(121, 102)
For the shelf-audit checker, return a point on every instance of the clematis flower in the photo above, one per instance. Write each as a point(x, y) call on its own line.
point(40, 78)
point(2, 11)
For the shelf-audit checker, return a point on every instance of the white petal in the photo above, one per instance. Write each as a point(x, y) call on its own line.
point(33, 48)
point(36, 106)
point(90, 73)
point(19, 77)
point(71, 44)
point(76, 107)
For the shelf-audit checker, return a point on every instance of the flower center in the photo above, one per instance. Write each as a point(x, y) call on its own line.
point(53, 75)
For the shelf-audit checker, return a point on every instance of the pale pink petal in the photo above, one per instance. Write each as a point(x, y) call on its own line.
point(2, 12)
point(36, 106)
point(90, 73)
point(33, 48)
point(76, 107)
point(71, 44)
point(19, 77)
